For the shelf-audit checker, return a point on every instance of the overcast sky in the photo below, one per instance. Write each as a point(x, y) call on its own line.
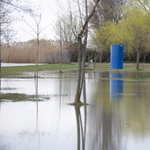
point(50, 9)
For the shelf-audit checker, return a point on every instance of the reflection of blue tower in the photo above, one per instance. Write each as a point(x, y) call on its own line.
point(116, 87)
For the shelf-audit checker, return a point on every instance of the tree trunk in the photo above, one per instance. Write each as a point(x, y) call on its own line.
point(79, 36)
point(0, 42)
point(100, 57)
point(37, 53)
point(84, 50)
point(60, 62)
point(94, 59)
point(77, 97)
point(88, 59)
point(85, 113)
point(138, 59)
point(0, 54)
point(144, 60)
point(77, 111)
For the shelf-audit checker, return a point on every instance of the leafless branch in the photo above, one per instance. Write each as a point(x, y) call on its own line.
point(29, 33)
point(87, 19)
point(80, 13)
point(30, 26)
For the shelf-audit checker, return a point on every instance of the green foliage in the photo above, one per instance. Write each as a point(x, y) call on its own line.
point(106, 35)
point(133, 31)
point(135, 28)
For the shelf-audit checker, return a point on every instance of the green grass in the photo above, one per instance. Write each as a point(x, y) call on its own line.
point(18, 70)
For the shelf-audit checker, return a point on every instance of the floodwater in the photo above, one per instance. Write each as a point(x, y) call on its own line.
point(17, 64)
point(117, 117)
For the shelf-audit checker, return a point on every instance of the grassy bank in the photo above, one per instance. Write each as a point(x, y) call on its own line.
point(18, 70)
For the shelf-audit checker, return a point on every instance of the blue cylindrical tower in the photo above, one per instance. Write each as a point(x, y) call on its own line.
point(116, 60)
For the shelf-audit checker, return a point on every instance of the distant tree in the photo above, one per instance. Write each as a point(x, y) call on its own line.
point(64, 32)
point(143, 5)
point(132, 31)
point(63, 27)
point(136, 29)
point(108, 14)
point(104, 36)
point(108, 10)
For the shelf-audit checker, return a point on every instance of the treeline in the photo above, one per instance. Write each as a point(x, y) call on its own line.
point(49, 52)
point(115, 22)
point(130, 27)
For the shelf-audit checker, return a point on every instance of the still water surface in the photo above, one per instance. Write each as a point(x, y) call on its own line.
point(117, 117)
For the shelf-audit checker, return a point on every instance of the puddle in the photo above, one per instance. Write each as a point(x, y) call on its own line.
point(117, 117)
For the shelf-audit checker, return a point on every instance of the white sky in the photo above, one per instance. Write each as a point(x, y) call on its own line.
point(50, 9)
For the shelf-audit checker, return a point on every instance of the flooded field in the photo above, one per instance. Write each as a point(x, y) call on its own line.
point(35, 115)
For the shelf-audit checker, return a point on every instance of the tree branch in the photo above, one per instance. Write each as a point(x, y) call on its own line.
point(87, 19)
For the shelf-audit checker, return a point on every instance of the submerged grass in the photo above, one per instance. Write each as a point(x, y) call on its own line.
point(126, 67)
point(138, 79)
point(15, 97)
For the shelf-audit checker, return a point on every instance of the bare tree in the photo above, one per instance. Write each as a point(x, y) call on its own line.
point(37, 17)
point(81, 53)
point(78, 9)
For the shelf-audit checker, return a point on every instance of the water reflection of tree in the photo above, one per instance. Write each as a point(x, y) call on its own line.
point(138, 114)
point(81, 127)
point(37, 110)
point(108, 121)
point(36, 93)
point(104, 121)
point(105, 133)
